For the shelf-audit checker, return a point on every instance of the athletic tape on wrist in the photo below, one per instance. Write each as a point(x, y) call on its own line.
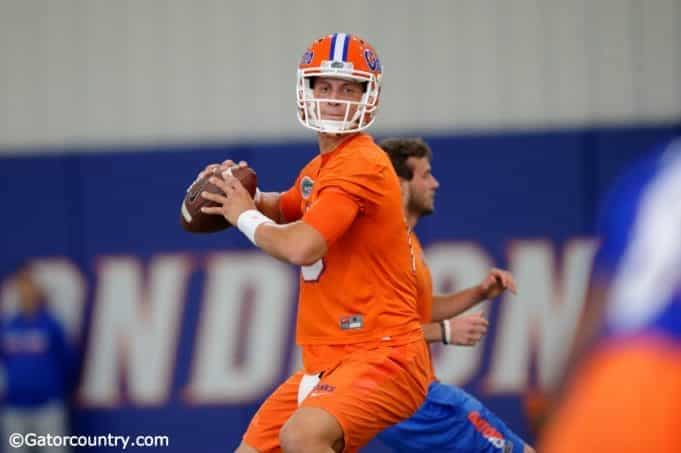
point(446, 331)
point(249, 221)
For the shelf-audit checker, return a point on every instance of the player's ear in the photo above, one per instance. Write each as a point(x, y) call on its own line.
point(404, 185)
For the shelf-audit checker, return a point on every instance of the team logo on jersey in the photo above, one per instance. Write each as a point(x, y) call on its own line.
point(372, 60)
point(307, 57)
point(306, 186)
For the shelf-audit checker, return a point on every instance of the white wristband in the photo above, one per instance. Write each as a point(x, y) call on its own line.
point(249, 221)
point(448, 332)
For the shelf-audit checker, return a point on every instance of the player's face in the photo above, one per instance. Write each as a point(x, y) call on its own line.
point(422, 187)
point(341, 90)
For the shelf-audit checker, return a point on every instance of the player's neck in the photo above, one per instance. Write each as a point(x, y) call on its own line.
point(329, 142)
point(412, 219)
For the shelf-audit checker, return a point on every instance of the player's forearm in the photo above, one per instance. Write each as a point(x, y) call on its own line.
point(268, 204)
point(432, 332)
point(450, 305)
point(296, 243)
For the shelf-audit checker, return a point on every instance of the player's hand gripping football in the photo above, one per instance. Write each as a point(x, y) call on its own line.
point(234, 199)
point(223, 166)
point(468, 330)
point(496, 282)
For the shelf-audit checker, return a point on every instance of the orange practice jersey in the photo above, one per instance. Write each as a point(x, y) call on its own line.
point(364, 289)
point(626, 399)
point(424, 285)
point(424, 282)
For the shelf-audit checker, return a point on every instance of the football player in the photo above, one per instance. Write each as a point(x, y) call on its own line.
point(625, 393)
point(364, 356)
point(450, 419)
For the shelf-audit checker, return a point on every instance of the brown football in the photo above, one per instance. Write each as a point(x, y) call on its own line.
point(191, 217)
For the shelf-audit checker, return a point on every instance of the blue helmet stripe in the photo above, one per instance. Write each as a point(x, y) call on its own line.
point(346, 45)
point(333, 46)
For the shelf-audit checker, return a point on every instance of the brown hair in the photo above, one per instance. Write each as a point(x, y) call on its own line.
point(401, 149)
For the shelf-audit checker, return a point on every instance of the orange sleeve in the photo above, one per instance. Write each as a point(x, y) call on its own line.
point(332, 214)
point(290, 204)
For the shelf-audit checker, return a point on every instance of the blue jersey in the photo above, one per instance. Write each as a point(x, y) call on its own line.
point(38, 360)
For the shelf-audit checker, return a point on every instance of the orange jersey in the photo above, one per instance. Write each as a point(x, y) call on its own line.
point(364, 288)
point(424, 282)
point(626, 398)
point(424, 285)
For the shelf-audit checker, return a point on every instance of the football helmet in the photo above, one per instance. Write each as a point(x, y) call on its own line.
point(344, 56)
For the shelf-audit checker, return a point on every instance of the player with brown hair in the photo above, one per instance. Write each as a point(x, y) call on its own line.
point(450, 419)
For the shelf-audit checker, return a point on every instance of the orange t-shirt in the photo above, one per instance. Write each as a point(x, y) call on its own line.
point(363, 291)
point(424, 285)
point(624, 398)
point(424, 282)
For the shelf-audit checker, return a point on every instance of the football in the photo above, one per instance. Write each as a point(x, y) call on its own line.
point(191, 217)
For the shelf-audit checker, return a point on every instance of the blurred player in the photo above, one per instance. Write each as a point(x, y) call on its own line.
point(365, 361)
point(450, 419)
point(625, 393)
point(39, 365)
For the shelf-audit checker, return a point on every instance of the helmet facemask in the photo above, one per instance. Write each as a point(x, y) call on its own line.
point(309, 107)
